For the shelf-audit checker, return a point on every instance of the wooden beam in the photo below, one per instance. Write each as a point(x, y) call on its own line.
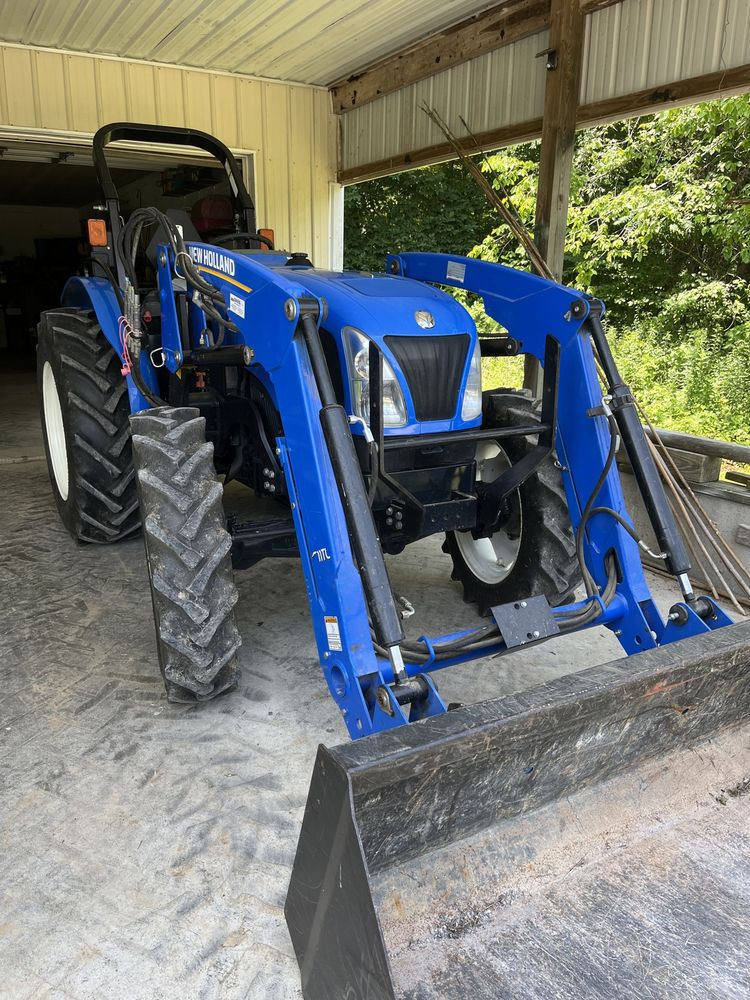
point(591, 6)
point(505, 23)
point(501, 25)
point(563, 84)
point(641, 102)
point(493, 139)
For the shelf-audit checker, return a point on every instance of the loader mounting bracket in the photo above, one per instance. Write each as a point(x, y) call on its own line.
point(525, 621)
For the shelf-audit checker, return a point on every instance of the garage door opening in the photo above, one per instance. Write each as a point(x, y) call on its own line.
point(47, 193)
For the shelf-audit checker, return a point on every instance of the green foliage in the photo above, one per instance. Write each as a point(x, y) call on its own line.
point(436, 208)
point(506, 373)
point(516, 171)
point(660, 205)
point(686, 387)
point(659, 228)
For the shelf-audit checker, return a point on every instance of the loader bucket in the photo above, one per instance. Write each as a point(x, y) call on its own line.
point(587, 838)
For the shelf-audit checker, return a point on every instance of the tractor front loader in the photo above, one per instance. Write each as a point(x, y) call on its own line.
point(526, 847)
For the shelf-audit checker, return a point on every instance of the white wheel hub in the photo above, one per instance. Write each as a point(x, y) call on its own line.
point(53, 423)
point(490, 559)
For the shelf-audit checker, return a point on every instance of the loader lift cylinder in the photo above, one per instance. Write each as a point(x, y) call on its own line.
point(649, 484)
point(366, 546)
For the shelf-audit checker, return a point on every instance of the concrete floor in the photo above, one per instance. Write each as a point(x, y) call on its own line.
point(146, 848)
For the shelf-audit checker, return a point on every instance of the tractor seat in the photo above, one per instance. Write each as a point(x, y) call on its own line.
point(185, 223)
point(213, 216)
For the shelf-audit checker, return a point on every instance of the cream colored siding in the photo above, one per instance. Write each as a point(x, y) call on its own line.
point(290, 128)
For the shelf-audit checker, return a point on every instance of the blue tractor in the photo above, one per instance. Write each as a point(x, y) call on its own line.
point(355, 401)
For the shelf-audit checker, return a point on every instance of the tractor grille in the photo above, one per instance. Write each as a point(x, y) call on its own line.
point(433, 368)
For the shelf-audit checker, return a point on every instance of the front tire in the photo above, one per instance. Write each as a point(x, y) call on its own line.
point(533, 550)
point(187, 552)
point(84, 409)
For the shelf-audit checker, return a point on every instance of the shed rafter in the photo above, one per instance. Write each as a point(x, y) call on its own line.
point(503, 24)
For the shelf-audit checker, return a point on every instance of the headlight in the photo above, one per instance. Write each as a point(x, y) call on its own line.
point(472, 403)
point(358, 350)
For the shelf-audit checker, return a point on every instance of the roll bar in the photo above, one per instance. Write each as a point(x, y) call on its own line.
point(139, 132)
point(173, 135)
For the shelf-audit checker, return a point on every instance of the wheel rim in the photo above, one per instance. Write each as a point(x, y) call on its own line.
point(53, 423)
point(492, 559)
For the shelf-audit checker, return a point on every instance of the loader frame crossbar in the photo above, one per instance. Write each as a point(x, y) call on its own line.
point(492, 494)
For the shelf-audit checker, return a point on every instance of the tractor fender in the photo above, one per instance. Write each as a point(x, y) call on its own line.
point(98, 295)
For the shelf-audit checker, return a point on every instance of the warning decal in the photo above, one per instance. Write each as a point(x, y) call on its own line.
point(333, 633)
point(237, 305)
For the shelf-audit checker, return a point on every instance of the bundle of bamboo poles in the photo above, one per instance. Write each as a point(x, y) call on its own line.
point(721, 568)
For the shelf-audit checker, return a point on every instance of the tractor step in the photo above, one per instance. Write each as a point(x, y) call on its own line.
point(586, 838)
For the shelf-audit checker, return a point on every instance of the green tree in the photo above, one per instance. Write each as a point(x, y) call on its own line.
point(659, 228)
point(439, 209)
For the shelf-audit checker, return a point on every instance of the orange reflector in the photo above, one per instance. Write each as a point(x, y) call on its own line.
point(268, 233)
point(97, 232)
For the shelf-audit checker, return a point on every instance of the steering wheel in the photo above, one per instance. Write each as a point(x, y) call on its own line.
point(221, 240)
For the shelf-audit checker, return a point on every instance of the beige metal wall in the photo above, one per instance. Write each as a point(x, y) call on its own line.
point(631, 45)
point(290, 128)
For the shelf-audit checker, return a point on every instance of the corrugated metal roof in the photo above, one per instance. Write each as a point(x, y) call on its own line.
point(634, 45)
point(304, 40)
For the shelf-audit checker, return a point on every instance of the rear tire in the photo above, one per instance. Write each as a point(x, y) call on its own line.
point(188, 553)
point(84, 409)
point(536, 547)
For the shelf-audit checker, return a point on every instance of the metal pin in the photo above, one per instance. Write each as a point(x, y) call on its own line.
point(397, 662)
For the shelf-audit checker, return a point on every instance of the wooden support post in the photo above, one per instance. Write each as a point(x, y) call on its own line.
point(564, 61)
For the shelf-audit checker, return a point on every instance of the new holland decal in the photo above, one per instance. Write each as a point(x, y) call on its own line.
point(210, 258)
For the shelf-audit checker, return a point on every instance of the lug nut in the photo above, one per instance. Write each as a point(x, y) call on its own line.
point(266, 485)
point(389, 520)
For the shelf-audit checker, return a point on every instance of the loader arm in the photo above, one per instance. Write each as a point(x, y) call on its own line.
point(354, 619)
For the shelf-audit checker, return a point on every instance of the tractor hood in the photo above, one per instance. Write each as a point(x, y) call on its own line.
point(382, 304)
point(426, 337)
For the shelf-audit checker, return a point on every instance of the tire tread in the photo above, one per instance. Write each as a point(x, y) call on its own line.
point(103, 503)
point(188, 550)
